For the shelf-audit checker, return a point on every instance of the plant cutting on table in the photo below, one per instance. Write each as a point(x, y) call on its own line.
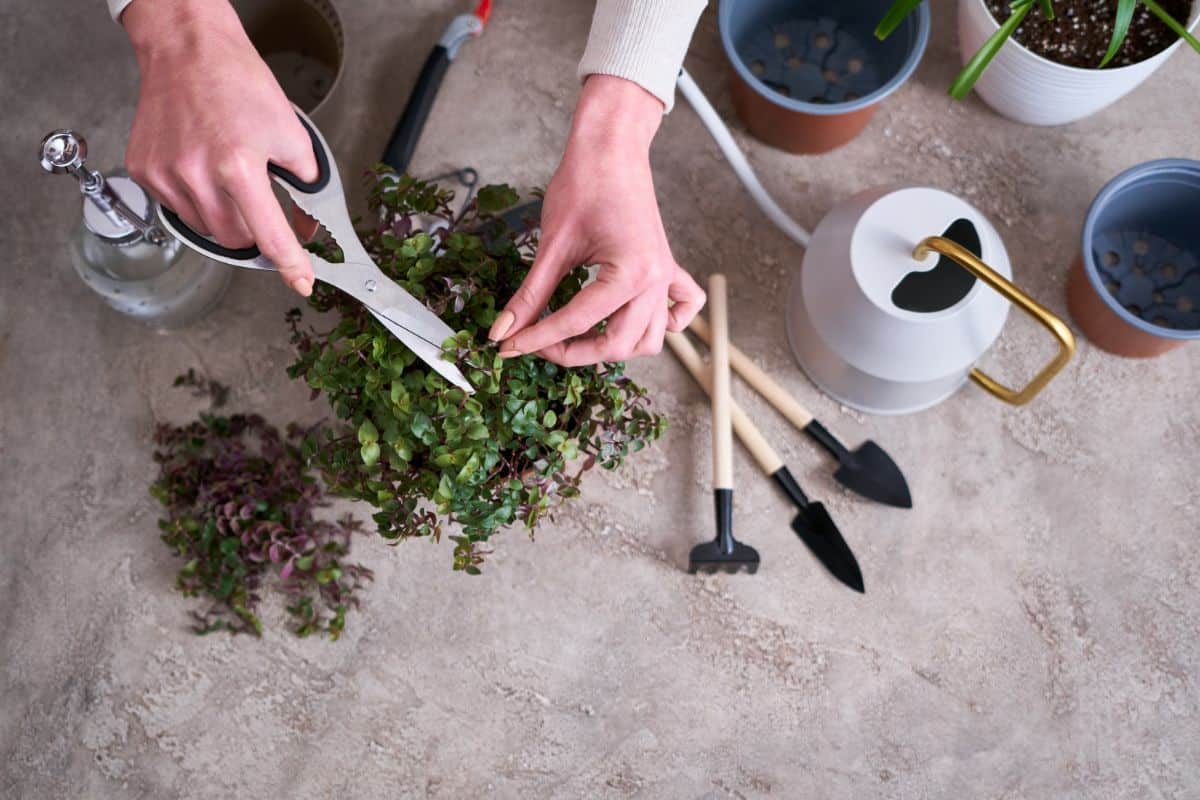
point(1070, 32)
point(240, 507)
point(423, 451)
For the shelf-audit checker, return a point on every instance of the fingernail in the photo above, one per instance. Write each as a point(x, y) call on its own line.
point(501, 325)
point(509, 353)
point(303, 286)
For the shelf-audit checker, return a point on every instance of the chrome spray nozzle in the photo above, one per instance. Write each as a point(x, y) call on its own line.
point(64, 152)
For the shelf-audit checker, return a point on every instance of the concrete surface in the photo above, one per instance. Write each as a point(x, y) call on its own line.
point(1029, 631)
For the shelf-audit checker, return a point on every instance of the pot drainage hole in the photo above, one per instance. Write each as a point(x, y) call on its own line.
point(814, 61)
point(1151, 277)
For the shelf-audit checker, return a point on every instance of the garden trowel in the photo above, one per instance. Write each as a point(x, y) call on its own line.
point(812, 523)
point(867, 469)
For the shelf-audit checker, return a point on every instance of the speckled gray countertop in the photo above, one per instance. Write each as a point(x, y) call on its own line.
point(1030, 628)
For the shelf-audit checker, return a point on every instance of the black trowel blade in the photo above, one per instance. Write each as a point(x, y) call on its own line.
point(871, 472)
point(817, 530)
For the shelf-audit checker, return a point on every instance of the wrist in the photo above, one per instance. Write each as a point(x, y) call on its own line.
point(613, 111)
point(160, 27)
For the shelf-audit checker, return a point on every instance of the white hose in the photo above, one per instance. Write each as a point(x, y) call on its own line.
point(737, 159)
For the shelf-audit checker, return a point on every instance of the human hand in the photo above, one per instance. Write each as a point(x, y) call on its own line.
point(210, 115)
point(600, 209)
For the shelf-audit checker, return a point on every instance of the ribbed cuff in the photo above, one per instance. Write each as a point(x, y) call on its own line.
point(115, 7)
point(643, 41)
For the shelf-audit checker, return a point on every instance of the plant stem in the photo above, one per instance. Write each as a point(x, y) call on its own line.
point(1171, 23)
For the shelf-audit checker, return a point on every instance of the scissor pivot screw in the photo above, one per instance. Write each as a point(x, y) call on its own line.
point(370, 286)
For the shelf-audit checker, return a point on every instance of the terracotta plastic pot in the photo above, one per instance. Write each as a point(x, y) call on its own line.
point(808, 74)
point(1135, 289)
point(1028, 88)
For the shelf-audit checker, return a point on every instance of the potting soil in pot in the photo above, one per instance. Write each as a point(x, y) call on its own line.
point(1079, 34)
point(1150, 277)
point(816, 61)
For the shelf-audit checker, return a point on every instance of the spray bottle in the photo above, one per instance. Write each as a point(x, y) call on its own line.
point(121, 252)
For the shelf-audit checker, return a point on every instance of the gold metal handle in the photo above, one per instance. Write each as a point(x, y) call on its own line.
point(1066, 340)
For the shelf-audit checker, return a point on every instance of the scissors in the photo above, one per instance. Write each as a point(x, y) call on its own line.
point(403, 315)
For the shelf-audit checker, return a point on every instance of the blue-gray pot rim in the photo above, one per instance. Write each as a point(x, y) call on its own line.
point(924, 22)
point(1099, 203)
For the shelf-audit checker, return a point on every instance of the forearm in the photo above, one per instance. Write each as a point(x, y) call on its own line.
point(172, 33)
point(614, 112)
point(643, 41)
point(151, 23)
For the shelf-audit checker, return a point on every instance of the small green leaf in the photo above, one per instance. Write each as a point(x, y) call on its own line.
point(494, 199)
point(367, 434)
point(421, 425)
point(370, 453)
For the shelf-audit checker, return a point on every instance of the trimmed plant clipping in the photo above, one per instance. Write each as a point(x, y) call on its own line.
point(423, 452)
point(240, 505)
point(1090, 34)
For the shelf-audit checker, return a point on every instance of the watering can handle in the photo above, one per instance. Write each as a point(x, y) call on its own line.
point(1066, 340)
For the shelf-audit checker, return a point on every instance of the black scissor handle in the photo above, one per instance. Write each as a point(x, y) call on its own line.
point(207, 245)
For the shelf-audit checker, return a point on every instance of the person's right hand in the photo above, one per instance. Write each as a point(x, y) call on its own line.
point(210, 115)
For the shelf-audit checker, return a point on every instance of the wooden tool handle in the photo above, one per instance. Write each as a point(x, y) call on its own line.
point(722, 432)
point(746, 430)
point(758, 379)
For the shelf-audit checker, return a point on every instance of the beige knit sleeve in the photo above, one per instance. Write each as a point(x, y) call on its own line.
point(643, 41)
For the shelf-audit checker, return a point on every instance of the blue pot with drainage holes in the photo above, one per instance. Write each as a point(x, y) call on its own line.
point(1135, 288)
point(807, 75)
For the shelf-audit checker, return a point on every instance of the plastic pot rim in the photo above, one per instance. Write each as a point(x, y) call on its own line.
point(1156, 169)
point(924, 22)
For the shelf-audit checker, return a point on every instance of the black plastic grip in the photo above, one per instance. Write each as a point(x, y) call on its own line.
point(407, 133)
point(791, 487)
point(723, 506)
point(823, 437)
point(203, 243)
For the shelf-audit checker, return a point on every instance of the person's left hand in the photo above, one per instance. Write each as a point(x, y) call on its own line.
point(600, 209)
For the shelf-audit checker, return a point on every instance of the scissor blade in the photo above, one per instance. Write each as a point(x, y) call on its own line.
point(431, 354)
point(404, 315)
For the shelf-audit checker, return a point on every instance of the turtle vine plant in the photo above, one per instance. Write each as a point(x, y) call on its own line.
point(1019, 10)
point(240, 505)
point(421, 450)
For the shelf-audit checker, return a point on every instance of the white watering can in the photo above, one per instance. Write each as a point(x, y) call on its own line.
point(901, 292)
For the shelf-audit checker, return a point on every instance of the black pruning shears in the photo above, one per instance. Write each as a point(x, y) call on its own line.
point(403, 142)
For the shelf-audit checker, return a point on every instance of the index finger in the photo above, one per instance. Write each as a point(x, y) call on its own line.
point(251, 191)
point(594, 303)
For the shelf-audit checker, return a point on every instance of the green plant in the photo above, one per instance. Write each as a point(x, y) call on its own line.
point(423, 452)
point(240, 504)
point(1020, 10)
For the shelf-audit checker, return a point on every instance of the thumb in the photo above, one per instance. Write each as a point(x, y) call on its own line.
point(534, 293)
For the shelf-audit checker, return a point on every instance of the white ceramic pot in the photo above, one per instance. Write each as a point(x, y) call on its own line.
point(1028, 88)
point(884, 332)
